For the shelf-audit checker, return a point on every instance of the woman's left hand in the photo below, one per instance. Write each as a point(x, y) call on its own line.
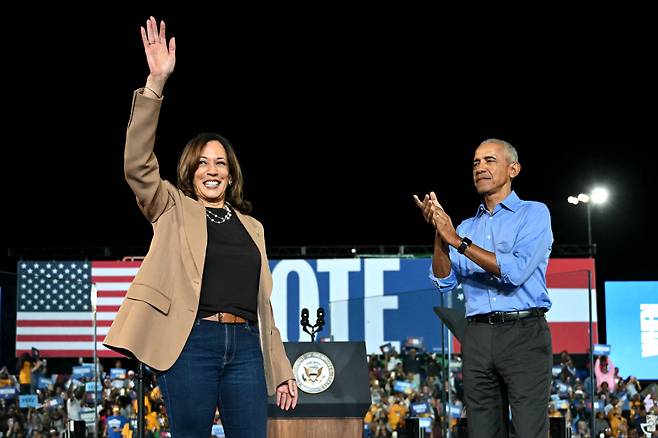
point(286, 395)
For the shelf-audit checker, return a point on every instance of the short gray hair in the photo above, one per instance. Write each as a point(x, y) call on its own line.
point(512, 155)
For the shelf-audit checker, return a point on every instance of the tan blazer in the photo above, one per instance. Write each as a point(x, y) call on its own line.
point(159, 310)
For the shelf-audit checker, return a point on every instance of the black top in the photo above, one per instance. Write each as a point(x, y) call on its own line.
point(232, 269)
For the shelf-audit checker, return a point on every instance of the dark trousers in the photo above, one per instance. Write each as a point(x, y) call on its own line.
point(507, 365)
point(221, 366)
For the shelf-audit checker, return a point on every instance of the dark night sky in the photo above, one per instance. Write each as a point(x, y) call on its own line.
point(337, 120)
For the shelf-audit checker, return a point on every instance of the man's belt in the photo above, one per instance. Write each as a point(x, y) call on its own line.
point(514, 315)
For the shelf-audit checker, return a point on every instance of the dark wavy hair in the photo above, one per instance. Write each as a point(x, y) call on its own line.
point(189, 162)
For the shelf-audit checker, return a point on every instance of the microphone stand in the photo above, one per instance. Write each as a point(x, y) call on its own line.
point(312, 329)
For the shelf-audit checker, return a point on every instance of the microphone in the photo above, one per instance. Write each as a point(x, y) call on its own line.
point(320, 321)
point(304, 321)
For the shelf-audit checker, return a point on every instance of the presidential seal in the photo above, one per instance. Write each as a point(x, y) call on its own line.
point(314, 372)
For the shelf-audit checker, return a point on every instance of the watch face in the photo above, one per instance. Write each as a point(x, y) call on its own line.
point(465, 243)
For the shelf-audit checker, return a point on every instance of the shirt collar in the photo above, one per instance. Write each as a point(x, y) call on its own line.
point(511, 202)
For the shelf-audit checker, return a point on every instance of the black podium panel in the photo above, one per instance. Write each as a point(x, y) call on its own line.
point(348, 395)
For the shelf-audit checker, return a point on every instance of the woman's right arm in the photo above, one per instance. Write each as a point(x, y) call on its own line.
point(140, 164)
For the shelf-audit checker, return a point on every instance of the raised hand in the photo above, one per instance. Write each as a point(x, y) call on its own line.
point(435, 215)
point(443, 223)
point(427, 208)
point(161, 57)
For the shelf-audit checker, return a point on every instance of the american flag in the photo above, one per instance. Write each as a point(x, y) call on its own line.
point(54, 312)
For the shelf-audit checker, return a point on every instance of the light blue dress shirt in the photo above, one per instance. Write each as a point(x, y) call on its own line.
point(519, 233)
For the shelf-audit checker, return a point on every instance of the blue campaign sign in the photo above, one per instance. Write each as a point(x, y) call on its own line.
point(7, 393)
point(376, 300)
point(401, 386)
point(118, 373)
point(83, 371)
point(44, 382)
point(601, 349)
point(425, 423)
point(28, 401)
point(418, 409)
point(631, 309)
point(455, 411)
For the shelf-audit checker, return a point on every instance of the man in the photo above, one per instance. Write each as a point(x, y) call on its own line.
point(115, 423)
point(500, 257)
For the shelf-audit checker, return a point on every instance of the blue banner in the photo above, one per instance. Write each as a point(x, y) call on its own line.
point(631, 310)
point(379, 300)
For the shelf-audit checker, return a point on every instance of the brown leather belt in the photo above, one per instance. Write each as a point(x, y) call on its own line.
point(502, 317)
point(226, 318)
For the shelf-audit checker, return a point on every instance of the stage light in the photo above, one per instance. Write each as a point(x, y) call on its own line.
point(599, 195)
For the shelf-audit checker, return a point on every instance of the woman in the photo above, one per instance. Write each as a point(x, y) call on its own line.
point(199, 308)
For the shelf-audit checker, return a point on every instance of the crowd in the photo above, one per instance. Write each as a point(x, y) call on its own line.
point(34, 403)
point(401, 383)
point(408, 389)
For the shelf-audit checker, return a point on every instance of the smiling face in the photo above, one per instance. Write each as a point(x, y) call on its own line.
point(212, 176)
point(493, 170)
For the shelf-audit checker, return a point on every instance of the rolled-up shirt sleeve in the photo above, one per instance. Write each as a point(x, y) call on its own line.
point(444, 284)
point(530, 249)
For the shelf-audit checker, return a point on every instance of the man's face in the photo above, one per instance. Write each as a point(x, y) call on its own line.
point(492, 169)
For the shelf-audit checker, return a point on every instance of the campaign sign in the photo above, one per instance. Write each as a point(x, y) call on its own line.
point(402, 386)
point(28, 401)
point(601, 349)
point(82, 372)
point(418, 409)
point(44, 382)
point(89, 389)
point(455, 411)
point(53, 402)
point(87, 415)
point(425, 423)
point(118, 373)
point(7, 393)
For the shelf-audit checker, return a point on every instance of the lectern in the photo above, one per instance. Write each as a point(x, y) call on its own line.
point(334, 392)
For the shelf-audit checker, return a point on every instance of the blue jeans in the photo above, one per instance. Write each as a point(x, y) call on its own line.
point(220, 366)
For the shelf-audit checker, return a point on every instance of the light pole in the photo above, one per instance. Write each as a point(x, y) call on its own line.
point(94, 299)
point(598, 196)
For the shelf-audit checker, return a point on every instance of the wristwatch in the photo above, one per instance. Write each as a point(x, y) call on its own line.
point(466, 242)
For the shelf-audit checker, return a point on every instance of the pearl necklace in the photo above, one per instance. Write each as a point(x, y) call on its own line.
point(217, 219)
